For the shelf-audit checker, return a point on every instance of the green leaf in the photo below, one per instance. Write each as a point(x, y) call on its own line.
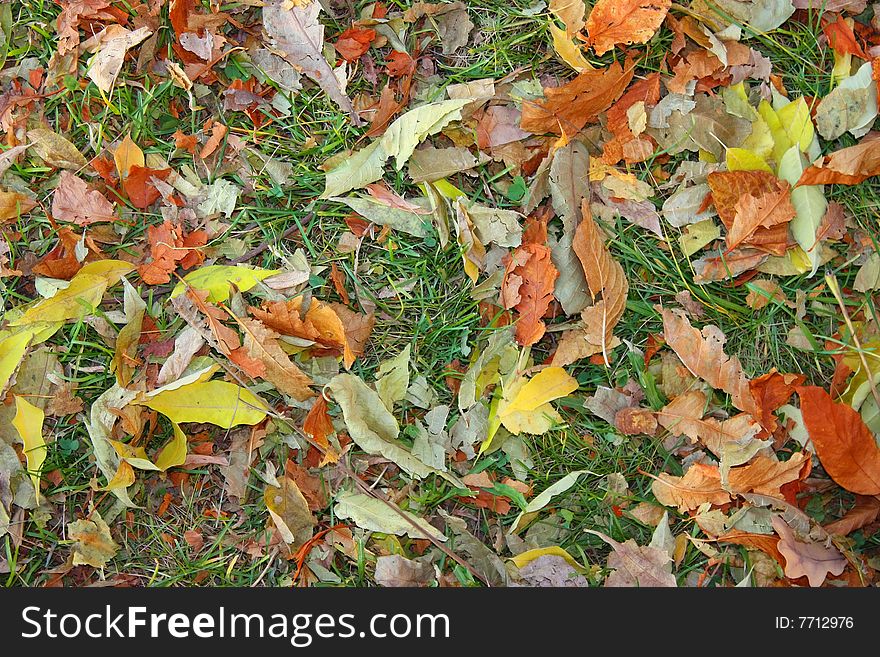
point(542, 500)
point(216, 279)
point(220, 403)
point(809, 203)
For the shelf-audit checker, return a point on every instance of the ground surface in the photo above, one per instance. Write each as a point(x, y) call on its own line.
point(207, 119)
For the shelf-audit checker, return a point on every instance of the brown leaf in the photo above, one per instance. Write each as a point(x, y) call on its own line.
point(703, 354)
point(290, 512)
point(684, 415)
point(637, 565)
point(262, 344)
point(727, 265)
point(13, 205)
point(622, 22)
point(701, 484)
point(604, 276)
point(312, 487)
point(865, 512)
point(527, 287)
point(771, 391)
point(397, 571)
point(75, 200)
point(847, 166)
point(635, 421)
point(811, 560)
point(730, 187)
point(567, 109)
point(166, 249)
point(765, 211)
point(845, 446)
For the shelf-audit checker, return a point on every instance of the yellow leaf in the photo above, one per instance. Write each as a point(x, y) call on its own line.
point(28, 421)
point(781, 141)
point(174, 453)
point(740, 159)
point(760, 139)
point(81, 297)
point(216, 279)
point(12, 350)
point(547, 385)
point(447, 190)
point(523, 559)
point(93, 543)
point(797, 123)
point(123, 478)
point(126, 156)
point(842, 67)
point(568, 50)
point(13, 205)
point(136, 456)
point(290, 512)
point(216, 402)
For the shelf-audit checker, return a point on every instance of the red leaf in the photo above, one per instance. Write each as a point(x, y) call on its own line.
point(354, 42)
point(141, 191)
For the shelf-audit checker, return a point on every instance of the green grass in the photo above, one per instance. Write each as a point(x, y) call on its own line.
point(431, 309)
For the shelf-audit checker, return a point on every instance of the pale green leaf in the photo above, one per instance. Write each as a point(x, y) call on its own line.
point(375, 515)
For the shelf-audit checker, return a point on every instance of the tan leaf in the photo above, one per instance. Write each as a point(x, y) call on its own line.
point(701, 484)
point(261, 343)
point(764, 211)
point(75, 200)
point(811, 560)
point(571, 13)
point(637, 565)
point(703, 354)
point(604, 276)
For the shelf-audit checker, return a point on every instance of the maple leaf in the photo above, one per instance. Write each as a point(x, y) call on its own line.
point(703, 354)
point(637, 565)
point(567, 109)
point(847, 166)
point(604, 276)
point(168, 247)
point(139, 185)
point(354, 42)
point(771, 391)
point(701, 484)
point(622, 22)
point(262, 344)
point(765, 475)
point(846, 447)
point(527, 287)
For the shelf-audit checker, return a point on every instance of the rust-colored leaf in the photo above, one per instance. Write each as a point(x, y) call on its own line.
point(865, 511)
point(604, 275)
point(765, 211)
point(567, 109)
point(139, 186)
point(701, 484)
point(622, 22)
point(771, 391)
point(765, 476)
point(354, 42)
point(527, 287)
point(845, 446)
point(848, 166)
point(262, 344)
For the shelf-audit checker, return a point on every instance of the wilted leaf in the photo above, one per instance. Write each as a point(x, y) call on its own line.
point(56, 150)
point(568, 51)
point(378, 516)
point(570, 12)
point(845, 446)
point(865, 512)
point(703, 354)
point(544, 498)
point(567, 109)
point(290, 512)
point(637, 565)
point(847, 166)
point(128, 155)
point(13, 205)
point(110, 46)
point(548, 384)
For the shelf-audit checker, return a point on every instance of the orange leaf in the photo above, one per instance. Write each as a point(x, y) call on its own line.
point(863, 513)
point(771, 391)
point(848, 166)
point(729, 187)
point(318, 424)
point(138, 185)
point(699, 485)
point(845, 446)
point(567, 109)
point(765, 211)
point(765, 476)
point(528, 288)
point(604, 275)
point(703, 354)
point(354, 42)
point(621, 22)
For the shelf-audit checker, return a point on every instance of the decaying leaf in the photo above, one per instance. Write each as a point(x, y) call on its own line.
point(93, 545)
point(637, 565)
point(811, 560)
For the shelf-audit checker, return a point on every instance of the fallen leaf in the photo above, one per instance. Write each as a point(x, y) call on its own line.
point(548, 384)
point(847, 166)
point(128, 155)
point(865, 511)
point(811, 560)
point(262, 344)
point(110, 46)
point(604, 276)
point(216, 402)
point(397, 571)
point(28, 422)
point(846, 448)
point(298, 35)
point(701, 484)
point(76, 201)
point(637, 565)
point(612, 22)
point(753, 212)
point(703, 354)
point(55, 150)
point(568, 50)
point(93, 545)
point(290, 512)
point(450, 20)
point(216, 280)
point(567, 109)
point(378, 516)
point(546, 496)
point(13, 205)
point(571, 13)
point(527, 287)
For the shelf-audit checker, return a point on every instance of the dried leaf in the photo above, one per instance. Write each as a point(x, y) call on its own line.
point(811, 560)
point(527, 287)
point(262, 344)
point(612, 22)
point(75, 200)
point(571, 13)
point(290, 512)
point(378, 516)
point(846, 448)
point(397, 571)
point(847, 166)
point(701, 484)
point(93, 545)
point(298, 35)
point(637, 565)
point(56, 150)
point(754, 212)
